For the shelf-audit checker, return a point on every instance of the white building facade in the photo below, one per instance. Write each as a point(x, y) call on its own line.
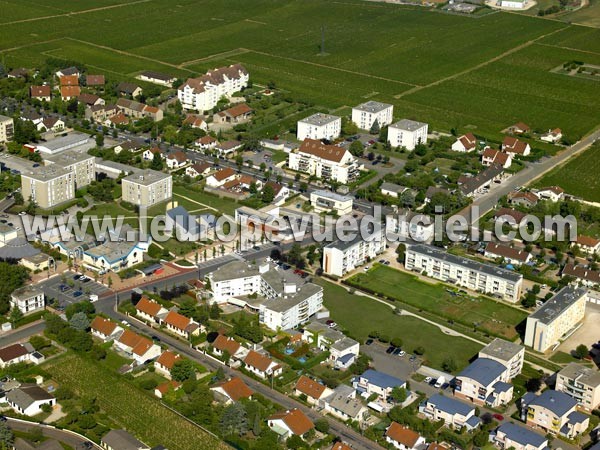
point(319, 126)
point(407, 133)
point(365, 114)
point(341, 257)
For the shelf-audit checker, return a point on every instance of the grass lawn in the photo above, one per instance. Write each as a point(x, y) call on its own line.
point(195, 199)
point(127, 405)
point(361, 315)
point(489, 315)
point(578, 176)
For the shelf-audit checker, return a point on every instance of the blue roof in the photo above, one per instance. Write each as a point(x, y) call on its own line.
point(557, 402)
point(450, 405)
point(346, 358)
point(180, 216)
point(473, 421)
point(521, 435)
point(501, 386)
point(383, 380)
point(577, 417)
point(483, 370)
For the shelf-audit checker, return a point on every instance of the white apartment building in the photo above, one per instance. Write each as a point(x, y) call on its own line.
point(508, 353)
point(327, 201)
point(407, 133)
point(328, 162)
point(484, 382)
point(48, 186)
point(147, 188)
point(581, 383)
point(408, 224)
point(341, 257)
point(203, 93)
point(80, 164)
point(7, 129)
point(365, 114)
point(28, 299)
point(281, 299)
point(555, 318)
point(319, 126)
point(485, 278)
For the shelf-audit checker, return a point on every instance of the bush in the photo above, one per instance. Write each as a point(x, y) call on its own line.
point(148, 384)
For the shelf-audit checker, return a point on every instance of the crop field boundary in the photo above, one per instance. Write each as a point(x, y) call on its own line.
point(222, 55)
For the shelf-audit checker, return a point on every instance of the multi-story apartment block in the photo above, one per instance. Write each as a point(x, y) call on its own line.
point(28, 299)
point(7, 129)
point(341, 257)
point(484, 382)
point(327, 201)
point(510, 435)
point(319, 126)
point(48, 186)
point(407, 133)
point(281, 299)
point(555, 318)
point(365, 114)
point(203, 93)
point(508, 353)
point(461, 271)
point(581, 383)
point(147, 188)
point(80, 164)
point(554, 412)
point(328, 162)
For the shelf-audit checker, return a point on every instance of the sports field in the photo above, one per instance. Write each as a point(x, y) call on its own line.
point(472, 73)
point(578, 176)
point(488, 314)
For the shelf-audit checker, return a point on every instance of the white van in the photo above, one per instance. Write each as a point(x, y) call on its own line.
point(440, 382)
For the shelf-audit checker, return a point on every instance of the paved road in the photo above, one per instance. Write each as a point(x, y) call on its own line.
point(533, 171)
point(65, 437)
point(21, 334)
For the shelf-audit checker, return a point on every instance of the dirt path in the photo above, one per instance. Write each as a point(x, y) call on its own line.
point(73, 13)
point(480, 65)
point(195, 201)
point(571, 49)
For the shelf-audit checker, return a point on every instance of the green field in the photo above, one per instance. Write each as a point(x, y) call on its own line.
point(421, 61)
point(131, 408)
point(578, 176)
point(361, 315)
point(489, 315)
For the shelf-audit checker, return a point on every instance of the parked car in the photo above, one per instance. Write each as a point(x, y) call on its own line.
point(76, 276)
point(22, 213)
point(402, 353)
point(331, 324)
point(428, 380)
point(390, 349)
point(77, 294)
point(498, 417)
point(368, 341)
point(397, 351)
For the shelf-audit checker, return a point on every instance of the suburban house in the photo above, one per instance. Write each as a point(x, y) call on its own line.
point(42, 93)
point(232, 391)
point(168, 386)
point(17, 353)
point(105, 329)
point(69, 80)
point(150, 310)
point(552, 193)
point(580, 383)
point(228, 344)
point(228, 147)
point(165, 362)
point(314, 391)
point(221, 177)
point(157, 78)
point(510, 435)
point(28, 299)
point(587, 244)
point(552, 136)
point(407, 133)
point(344, 405)
point(139, 348)
point(523, 198)
point(203, 93)
point(121, 440)
point(319, 126)
point(324, 161)
point(99, 113)
point(176, 160)
point(195, 121)
point(261, 365)
point(491, 156)
point(149, 153)
point(515, 147)
point(341, 446)
point(509, 215)
point(51, 124)
point(487, 278)
point(291, 422)
point(392, 190)
point(327, 201)
point(554, 412)
point(90, 99)
point(505, 352)
point(69, 71)
point(465, 143)
point(519, 128)
point(280, 191)
point(403, 438)
point(28, 399)
point(343, 256)
point(555, 318)
point(508, 255)
point(343, 350)
point(206, 142)
point(69, 92)
point(239, 113)
point(139, 110)
point(375, 382)
point(582, 274)
point(182, 325)
point(471, 186)
point(129, 89)
point(366, 114)
point(198, 170)
point(484, 382)
point(95, 80)
point(454, 413)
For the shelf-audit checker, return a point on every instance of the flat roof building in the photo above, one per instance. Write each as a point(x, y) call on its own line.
point(48, 186)
point(319, 126)
point(327, 201)
point(580, 383)
point(147, 188)
point(365, 114)
point(407, 133)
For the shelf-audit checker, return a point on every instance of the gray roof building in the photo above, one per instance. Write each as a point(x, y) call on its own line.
point(146, 177)
point(372, 106)
point(521, 435)
point(554, 307)
point(409, 125)
point(450, 405)
point(483, 370)
point(320, 119)
point(501, 349)
point(122, 440)
point(27, 394)
point(557, 402)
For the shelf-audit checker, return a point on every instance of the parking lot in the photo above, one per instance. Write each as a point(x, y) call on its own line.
point(71, 290)
point(394, 364)
point(18, 164)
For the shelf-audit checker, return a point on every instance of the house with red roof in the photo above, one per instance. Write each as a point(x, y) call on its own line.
point(313, 390)
point(42, 93)
point(150, 310)
point(552, 193)
point(149, 153)
point(105, 329)
point(228, 344)
point(465, 143)
point(198, 170)
point(290, 422)
point(515, 147)
point(168, 386)
point(206, 143)
point(221, 177)
point(552, 136)
point(587, 244)
point(176, 160)
point(232, 391)
point(165, 362)
point(403, 438)
point(239, 113)
point(261, 365)
point(140, 348)
point(491, 156)
point(519, 128)
point(181, 325)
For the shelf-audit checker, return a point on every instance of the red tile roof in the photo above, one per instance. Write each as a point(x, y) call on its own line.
point(11, 352)
point(320, 150)
point(94, 80)
point(224, 174)
point(340, 446)
point(238, 110)
point(201, 167)
point(507, 252)
point(582, 273)
point(295, 420)
point(223, 343)
point(148, 306)
point(69, 80)
point(521, 126)
point(402, 434)
point(436, 446)
point(258, 361)
point(177, 320)
point(236, 389)
point(205, 140)
point(168, 386)
point(70, 91)
point(310, 387)
point(517, 215)
point(514, 145)
point(469, 141)
point(40, 91)
point(179, 156)
point(215, 77)
point(587, 241)
point(168, 359)
point(103, 326)
point(556, 189)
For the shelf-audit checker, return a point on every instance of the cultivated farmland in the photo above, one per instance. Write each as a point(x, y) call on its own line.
point(127, 405)
point(480, 74)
